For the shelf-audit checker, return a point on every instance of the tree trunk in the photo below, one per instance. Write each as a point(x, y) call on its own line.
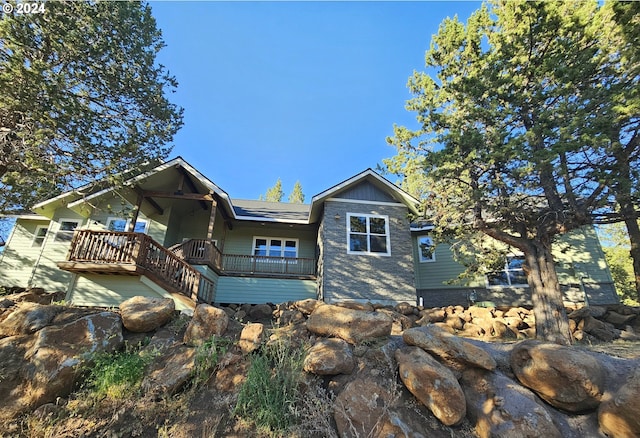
point(631, 221)
point(552, 323)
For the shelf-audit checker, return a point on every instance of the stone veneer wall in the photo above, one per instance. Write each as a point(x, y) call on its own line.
point(364, 277)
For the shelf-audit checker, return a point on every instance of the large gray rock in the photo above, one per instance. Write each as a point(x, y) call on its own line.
point(354, 326)
point(500, 408)
point(448, 347)
point(329, 357)
point(619, 413)
point(145, 314)
point(207, 321)
point(433, 384)
point(564, 377)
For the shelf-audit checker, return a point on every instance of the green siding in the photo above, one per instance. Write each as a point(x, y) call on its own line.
point(239, 240)
point(26, 265)
point(112, 290)
point(20, 256)
point(580, 248)
point(436, 274)
point(263, 290)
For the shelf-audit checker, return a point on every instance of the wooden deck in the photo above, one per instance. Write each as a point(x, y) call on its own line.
point(127, 253)
point(110, 252)
point(204, 252)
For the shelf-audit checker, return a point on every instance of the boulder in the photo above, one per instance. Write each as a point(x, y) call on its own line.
point(481, 312)
point(329, 357)
point(472, 330)
point(290, 317)
point(354, 326)
point(433, 384)
point(58, 352)
point(145, 314)
point(35, 295)
point(12, 366)
point(500, 408)
point(437, 341)
point(619, 320)
point(600, 329)
point(437, 314)
point(307, 306)
point(405, 308)
point(454, 321)
point(564, 377)
point(207, 321)
point(170, 372)
point(401, 322)
point(260, 312)
point(356, 305)
point(27, 317)
point(502, 331)
point(251, 337)
point(619, 413)
point(361, 409)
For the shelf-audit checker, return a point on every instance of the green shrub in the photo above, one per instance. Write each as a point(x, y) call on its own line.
point(117, 375)
point(207, 356)
point(271, 392)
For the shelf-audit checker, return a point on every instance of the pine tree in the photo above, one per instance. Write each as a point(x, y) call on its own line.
point(81, 97)
point(297, 196)
point(275, 193)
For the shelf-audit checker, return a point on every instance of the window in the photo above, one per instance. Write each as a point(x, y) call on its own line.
point(368, 234)
point(426, 249)
point(39, 235)
point(275, 247)
point(65, 232)
point(512, 275)
point(120, 224)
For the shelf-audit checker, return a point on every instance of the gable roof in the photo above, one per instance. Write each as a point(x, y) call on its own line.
point(240, 209)
point(369, 176)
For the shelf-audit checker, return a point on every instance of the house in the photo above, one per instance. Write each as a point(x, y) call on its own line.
point(171, 232)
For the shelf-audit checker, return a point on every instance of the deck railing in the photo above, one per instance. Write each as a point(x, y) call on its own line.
point(281, 266)
point(111, 247)
point(200, 252)
point(205, 252)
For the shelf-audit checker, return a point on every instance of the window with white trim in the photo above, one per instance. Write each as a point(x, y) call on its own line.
point(275, 247)
point(39, 235)
point(121, 224)
point(368, 234)
point(67, 227)
point(512, 275)
point(426, 249)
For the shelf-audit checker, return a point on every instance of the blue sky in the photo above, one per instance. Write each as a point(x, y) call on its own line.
point(302, 91)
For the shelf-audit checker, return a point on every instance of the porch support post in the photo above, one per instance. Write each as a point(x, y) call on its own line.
point(136, 211)
point(212, 218)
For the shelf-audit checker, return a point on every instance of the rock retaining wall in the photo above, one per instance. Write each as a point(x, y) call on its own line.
point(393, 371)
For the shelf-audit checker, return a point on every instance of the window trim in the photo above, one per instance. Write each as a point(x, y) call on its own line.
point(60, 221)
point(507, 270)
point(369, 216)
point(36, 236)
point(282, 251)
point(421, 257)
point(127, 222)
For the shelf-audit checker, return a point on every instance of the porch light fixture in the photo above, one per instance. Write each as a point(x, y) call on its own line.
point(337, 217)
